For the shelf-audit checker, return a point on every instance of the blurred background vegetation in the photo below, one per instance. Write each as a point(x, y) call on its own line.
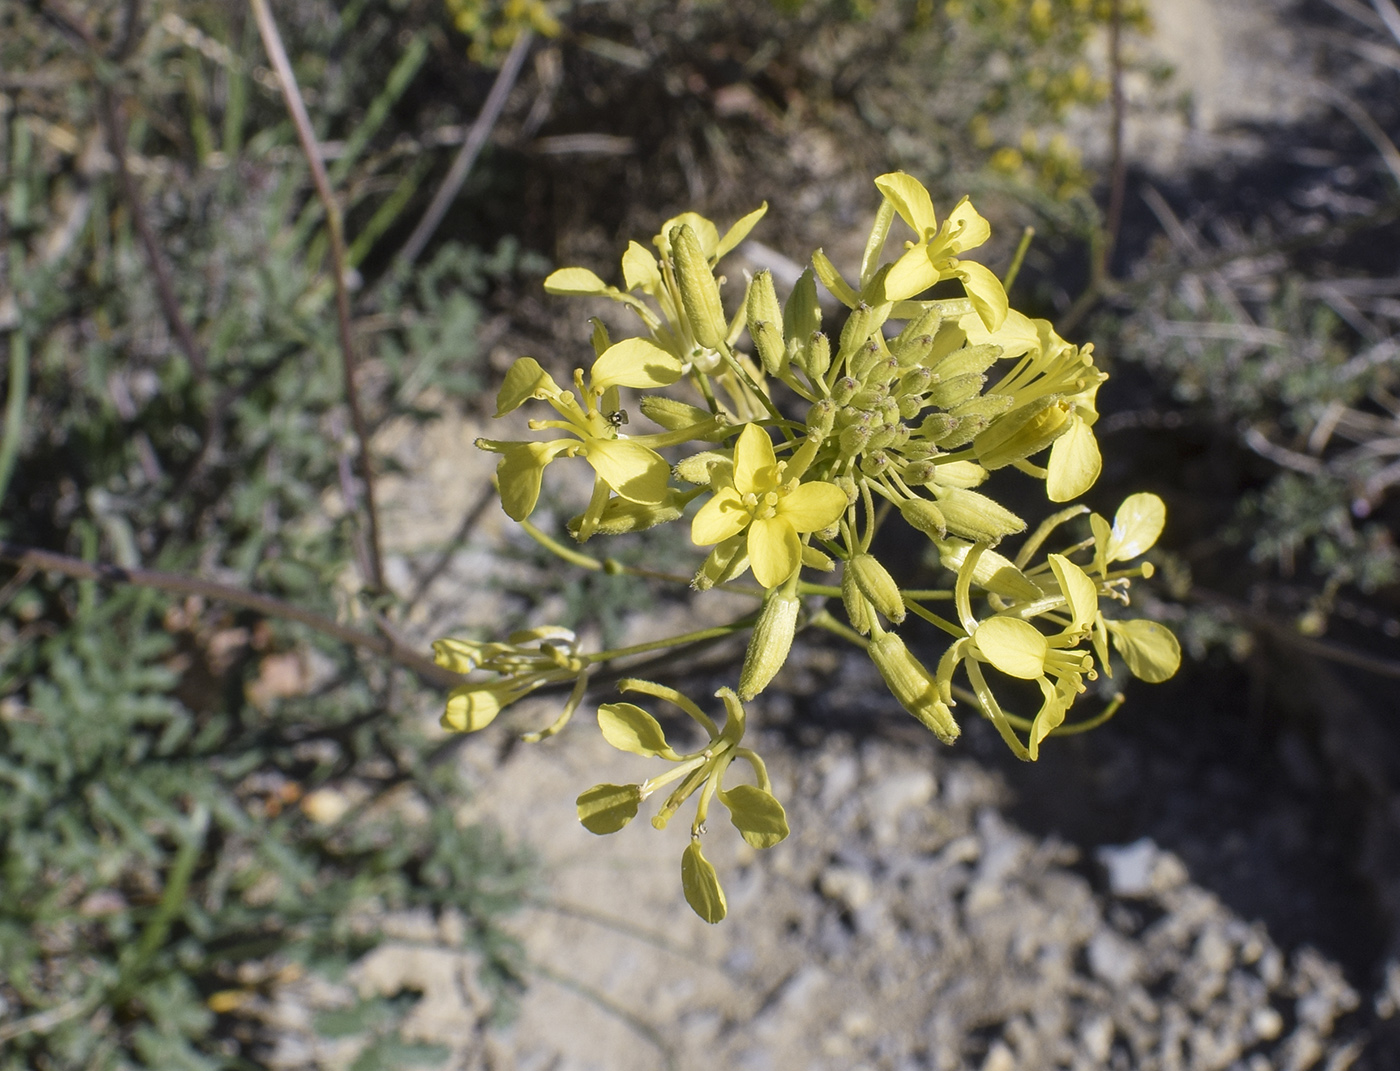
point(200, 798)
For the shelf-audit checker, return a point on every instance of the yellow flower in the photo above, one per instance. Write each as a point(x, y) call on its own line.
point(775, 512)
point(625, 466)
point(935, 255)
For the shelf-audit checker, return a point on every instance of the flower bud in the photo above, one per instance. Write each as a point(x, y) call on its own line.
point(919, 473)
point(858, 609)
point(699, 291)
point(853, 439)
point(863, 322)
point(474, 707)
point(869, 399)
point(938, 426)
point(912, 685)
point(457, 656)
point(914, 342)
point(870, 365)
point(945, 393)
point(970, 360)
point(873, 464)
point(671, 414)
point(975, 516)
point(922, 514)
point(765, 317)
point(821, 417)
point(802, 315)
point(914, 381)
point(696, 468)
point(877, 585)
point(844, 390)
point(770, 643)
point(881, 436)
point(818, 356)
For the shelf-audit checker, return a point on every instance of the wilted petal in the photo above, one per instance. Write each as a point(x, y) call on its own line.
point(720, 518)
point(1075, 462)
point(775, 552)
point(812, 506)
point(1015, 647)
point(701, 885)
point(630, 469)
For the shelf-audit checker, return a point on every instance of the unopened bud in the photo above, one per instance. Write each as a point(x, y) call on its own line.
point(474, 707)
point(853, 439)
point(695, 469)
point(913, 343)
point(802, 315)
point(671, 414)
point(699, 291)
point(844, 390)
point(869, 399)
point(937, 426)
point(1020, 434)
point(821, 417)
point(975, 516)
point(873, 464)
point(947, 393)
point(770, 643)
point(858, 609)
point(765, 318)
point(912, 685)
point(922, 514)
point(877, 585)
point(969, 359)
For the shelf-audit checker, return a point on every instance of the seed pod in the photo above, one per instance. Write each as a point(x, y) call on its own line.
point(699, 291)
point(765, 318)
point(770, 643)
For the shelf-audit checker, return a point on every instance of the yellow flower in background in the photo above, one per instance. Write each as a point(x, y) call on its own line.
point(934, 256)
point(774, 511)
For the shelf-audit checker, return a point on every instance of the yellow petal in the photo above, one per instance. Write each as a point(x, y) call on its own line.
point(756, 814)
point(629, 728)
point(639, 269)
point(975, 230)
point(635, 362)
point(755, 464)
point(1103, 535)
point(1150, 650)
point(607, 808)
point(1015, 647)
point(1081, 593)
point(911, 274)
point(1016, 336)
point(721, 518)
point(705, 231)
point(525, 380)
point(574, 281)
point(1075, 462)
point(985, 291)
point(630, 469)
point(1136, 526)
point(775, 552)
point(812, 506)
point(701, 885)
point(1050, 717)
point(520, 471)
point(739, 231)
point(910, 200)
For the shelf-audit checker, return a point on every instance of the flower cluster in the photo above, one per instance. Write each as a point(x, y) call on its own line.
point(798, 447)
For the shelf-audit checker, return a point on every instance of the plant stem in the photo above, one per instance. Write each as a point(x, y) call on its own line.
point(33, 558)
point(286, 79)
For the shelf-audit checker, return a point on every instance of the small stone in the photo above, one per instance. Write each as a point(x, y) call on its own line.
point(1266, 1024)
point(847, 886)
point(1112, 958)
point(999, 1058)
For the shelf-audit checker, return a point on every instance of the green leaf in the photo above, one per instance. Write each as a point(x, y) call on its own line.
point(628, 727)
point(1150, 650)
point(607, 808)
point(701, 885)
point(756, 814)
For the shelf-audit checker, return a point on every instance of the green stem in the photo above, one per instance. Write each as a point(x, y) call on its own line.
point(670, 641)
point(14, 408)
point(552, 545)
point(933, 619)
point(1020, 255)
point(823, 619)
